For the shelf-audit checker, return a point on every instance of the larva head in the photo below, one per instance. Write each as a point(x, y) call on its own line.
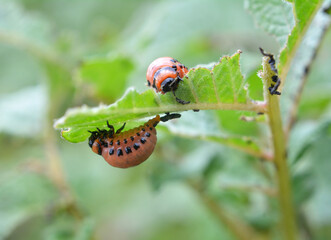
point(169, 84)
point(94, 141)
point(92, 138)
point(164, 75)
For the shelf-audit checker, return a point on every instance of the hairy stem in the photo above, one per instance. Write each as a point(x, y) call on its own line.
point(283, 178)
point(288, 222)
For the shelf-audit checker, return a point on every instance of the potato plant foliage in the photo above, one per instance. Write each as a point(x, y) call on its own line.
point(250, 151)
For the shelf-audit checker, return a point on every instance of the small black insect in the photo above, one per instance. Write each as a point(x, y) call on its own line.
point(273, 87)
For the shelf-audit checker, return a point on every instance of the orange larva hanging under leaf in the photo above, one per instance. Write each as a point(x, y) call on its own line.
point(129, 148)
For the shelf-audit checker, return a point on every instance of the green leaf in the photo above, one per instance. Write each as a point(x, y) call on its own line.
point(238, 122)
point(303, 137)
point(273, 16)
point(255, 85)
point(205, 127)
point(303, 184)
point(276, 17)
point(304, 12)
point(107, 76)
point(222, 88)
point(319, 159)
point(299, 71)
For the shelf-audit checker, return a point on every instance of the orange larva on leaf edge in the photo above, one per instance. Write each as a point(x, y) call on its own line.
point(164, 74)
point(128, 148)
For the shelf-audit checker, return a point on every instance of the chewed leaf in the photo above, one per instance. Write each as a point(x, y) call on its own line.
point(221, 88)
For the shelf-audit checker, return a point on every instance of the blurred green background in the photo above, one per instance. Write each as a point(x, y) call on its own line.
point(56, 54)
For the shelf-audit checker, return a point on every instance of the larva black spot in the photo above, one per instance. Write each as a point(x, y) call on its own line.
point(118, 142)
point(147, 125)
point(111, 143)
point(138, 134)
point(132, 138)
point(136, 146)
point(119, 152)
point(143, 129)
point(125, 141)
point(128, 150)
point(150, 128)
point(147, 134)
point(99, 148)
point(111, 151)
point(142, 140)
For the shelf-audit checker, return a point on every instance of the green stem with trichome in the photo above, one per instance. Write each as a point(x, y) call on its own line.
point(288, 222)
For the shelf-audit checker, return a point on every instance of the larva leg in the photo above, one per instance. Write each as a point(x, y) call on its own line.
point(120, 129)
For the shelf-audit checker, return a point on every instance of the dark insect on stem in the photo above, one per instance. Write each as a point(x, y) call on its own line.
point(273, 87)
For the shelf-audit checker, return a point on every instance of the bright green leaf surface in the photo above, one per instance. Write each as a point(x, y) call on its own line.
point(221, 88)
point(255, 86)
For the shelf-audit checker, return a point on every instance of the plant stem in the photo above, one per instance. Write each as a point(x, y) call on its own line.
point(239, 228)
point(279, 146)
point(55, 173)
point(283, 178)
